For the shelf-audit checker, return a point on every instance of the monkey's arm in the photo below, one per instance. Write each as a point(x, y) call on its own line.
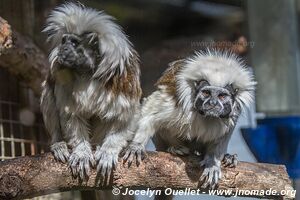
point(136, 149)
point(76, 132)
point(107, 153)
point(156, 110)
point(215, 154)
point(212, 162)
point(52, 121)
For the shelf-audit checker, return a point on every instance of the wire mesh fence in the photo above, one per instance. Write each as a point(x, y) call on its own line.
point(16, 139)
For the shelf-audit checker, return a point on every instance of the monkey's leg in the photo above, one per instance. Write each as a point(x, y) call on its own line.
point(230, 160)
point(51, 119)
point(77, 132)
point(212, 162)
point(107, 154)
point(136, 149)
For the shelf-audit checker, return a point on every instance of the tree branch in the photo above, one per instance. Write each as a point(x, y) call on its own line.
point(32, 176)
point(21, 57)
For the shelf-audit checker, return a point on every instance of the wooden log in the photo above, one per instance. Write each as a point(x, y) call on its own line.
point(21, 57)
point(32, 176)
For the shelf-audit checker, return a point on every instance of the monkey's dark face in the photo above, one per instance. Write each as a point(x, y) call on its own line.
point(213, 101)
point(78, 52)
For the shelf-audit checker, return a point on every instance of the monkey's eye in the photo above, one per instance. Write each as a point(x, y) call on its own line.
point(205, 93)
point(64, 39)
point(74, 42)
point(222, 96)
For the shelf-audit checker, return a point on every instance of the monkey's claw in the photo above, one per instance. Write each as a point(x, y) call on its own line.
point(60, 151)
point(230, 160)
point(81, 161)
point(210, 175)
point(134, 152)
point(106, 161)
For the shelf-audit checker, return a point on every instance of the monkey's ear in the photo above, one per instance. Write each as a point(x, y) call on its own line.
point(200, 84)
point(233, 91)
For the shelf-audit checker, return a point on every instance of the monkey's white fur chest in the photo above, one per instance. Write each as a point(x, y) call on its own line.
point(207, 129)
point(82, 97)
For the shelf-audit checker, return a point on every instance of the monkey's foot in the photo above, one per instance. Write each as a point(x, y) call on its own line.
point(230, 160)
point(211, 173)
point(60, 151)
point(81, 160)
point(106, 160)
point(134, 152)
point(181, 150)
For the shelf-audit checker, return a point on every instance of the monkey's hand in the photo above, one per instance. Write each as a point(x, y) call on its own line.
point(81, 160)
point(106, 159)
point(230, 160)
point(211, 173)
point(134, 152)
point(60, 151)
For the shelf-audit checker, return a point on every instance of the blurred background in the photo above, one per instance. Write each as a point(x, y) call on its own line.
point(265, 33)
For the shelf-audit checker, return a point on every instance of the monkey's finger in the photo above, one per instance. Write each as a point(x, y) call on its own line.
point(126, 155)
point(204, 174)
point(215, 180)
point(98, 159)
point(98, 167)
point(104, 169)
point(74, 171)
point(138, 157)
point(115, 162)
point(81, 170)
point(98, 155)
point(75, 168)
point(73, 160)
point(87, 172)
point(208, 180)
point(87, 168)
point(56, 156)
point(144, 155)
point(226, 164)
point(109, 169)
point(65, 155)
point(130, 159)
point(62, 158)
point(214, 185)
point(235, 161)
point(203, 178)
point(234, 164)
point(204, 185)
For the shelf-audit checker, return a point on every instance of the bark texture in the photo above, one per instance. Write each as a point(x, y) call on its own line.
point(21, 57)
point(32, 176)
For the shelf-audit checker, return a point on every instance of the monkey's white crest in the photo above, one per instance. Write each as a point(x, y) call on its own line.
point(115, 48)
point(219, 69)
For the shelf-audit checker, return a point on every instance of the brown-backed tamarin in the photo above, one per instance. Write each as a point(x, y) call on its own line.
point(92, 90)
point(195, 109)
